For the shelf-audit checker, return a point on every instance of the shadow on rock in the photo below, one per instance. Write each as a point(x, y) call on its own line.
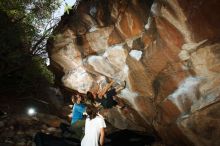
point(129, 138)
point(42, 139)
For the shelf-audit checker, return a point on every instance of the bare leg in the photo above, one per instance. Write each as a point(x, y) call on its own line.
point(105, 89)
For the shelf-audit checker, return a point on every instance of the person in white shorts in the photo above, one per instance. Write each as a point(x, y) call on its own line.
point(94, 128)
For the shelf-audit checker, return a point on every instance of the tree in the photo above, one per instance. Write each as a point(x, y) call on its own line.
point(24, 27)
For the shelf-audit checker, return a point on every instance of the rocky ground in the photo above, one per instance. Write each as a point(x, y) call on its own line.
point(20, 130)
point(17, 128)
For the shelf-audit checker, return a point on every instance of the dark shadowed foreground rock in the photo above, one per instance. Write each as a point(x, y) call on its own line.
point(20, 130)
point(167, 51)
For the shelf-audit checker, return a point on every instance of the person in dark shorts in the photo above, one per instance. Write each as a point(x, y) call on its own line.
point(108, 100)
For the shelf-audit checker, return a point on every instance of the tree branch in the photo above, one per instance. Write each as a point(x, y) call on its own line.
point(34, 48)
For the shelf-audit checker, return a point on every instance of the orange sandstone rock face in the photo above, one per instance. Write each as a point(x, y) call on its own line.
point(167, 52)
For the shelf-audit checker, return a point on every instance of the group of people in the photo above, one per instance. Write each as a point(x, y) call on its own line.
point(89, 106)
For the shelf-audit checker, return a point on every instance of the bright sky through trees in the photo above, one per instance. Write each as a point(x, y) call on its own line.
point(60, 11)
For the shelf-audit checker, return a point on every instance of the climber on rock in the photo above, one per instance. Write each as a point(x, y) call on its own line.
point(107, 96)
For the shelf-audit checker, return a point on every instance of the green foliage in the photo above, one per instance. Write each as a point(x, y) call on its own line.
point(67, 8)
point(33, 15)
point(24, 29)
point(28, 78)
point(40, 68)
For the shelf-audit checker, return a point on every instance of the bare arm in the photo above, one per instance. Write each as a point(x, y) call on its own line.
point(102, 136)
point(105, 89)
point(119, 89)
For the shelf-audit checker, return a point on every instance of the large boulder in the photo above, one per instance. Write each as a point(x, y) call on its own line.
point(167, 51)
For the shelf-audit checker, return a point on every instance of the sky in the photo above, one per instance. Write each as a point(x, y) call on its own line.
point(60, 11)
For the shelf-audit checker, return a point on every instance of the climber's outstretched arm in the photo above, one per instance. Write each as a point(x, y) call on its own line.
point(105, 89)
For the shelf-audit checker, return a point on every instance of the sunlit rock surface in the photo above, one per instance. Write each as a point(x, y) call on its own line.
point(167, 51)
